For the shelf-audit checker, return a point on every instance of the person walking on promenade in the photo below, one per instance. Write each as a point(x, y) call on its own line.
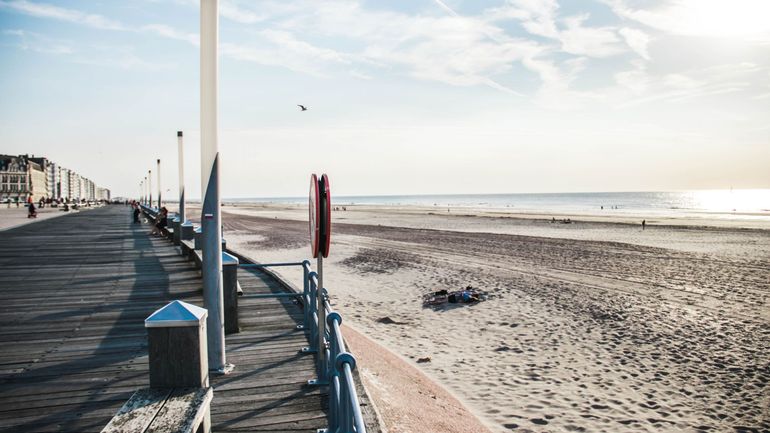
point(644, 223)
point(31, 211)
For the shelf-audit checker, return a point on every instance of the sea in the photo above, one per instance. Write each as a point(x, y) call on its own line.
point(727, 203)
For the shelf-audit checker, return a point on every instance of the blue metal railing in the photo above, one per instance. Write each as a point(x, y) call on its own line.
point(336, 368)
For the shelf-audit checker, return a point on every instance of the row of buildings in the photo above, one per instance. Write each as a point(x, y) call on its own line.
point(27, 178)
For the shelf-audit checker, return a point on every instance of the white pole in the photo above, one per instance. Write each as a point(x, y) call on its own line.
point(321, 318)
point(181, 178)
point(160, 193)
point(211, 268)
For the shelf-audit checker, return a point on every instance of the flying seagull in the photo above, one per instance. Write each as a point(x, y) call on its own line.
point(302, 107)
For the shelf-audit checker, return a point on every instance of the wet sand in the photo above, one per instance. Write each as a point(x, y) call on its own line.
point(667, 330)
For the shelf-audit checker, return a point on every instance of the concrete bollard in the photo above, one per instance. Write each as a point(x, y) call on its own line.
point(177, 347)
point(186, 231)
point(175, 223)
point(230, 292)
point(198, 239)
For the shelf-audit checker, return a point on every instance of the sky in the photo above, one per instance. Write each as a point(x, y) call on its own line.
point(403, 96)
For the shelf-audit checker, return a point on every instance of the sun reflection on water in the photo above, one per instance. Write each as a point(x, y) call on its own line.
point(739, 200)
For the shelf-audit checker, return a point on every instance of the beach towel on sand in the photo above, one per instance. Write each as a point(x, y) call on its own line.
point(469, 295)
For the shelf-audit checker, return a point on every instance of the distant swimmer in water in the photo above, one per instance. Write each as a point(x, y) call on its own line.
point(644, 224)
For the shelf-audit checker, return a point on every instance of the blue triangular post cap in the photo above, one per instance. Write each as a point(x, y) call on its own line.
point(198, 230)
point(176, 314)
point(229, 259)
point(187, 223)
point(176, 219)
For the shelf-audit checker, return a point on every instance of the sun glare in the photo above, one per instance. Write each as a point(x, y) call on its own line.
point(737, 18)
point(745, 200)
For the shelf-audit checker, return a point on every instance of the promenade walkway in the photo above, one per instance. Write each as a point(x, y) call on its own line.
point(74, 293)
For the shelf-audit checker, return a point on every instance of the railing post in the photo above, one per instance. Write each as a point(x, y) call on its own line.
point(334, 404)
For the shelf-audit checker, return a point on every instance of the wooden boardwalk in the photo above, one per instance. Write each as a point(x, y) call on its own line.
point(74, 293)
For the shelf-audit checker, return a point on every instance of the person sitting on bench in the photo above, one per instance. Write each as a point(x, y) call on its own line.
point(162, 221)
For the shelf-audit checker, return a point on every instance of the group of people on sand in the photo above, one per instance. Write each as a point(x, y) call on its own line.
point(569, 221)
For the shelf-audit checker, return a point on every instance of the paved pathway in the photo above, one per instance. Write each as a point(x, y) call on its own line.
point(74, 293)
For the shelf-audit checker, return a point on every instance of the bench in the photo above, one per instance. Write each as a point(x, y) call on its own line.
point(171, 410)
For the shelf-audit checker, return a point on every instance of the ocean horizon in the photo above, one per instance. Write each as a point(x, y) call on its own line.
point(735, 202)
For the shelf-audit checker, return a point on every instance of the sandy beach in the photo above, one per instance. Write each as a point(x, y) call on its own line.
point(594, 326)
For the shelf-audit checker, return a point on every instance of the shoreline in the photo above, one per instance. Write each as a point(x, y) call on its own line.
point(747, 220)
point(682, 235)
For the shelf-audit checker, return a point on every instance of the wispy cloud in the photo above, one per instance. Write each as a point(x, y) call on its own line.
point(234, 12)
point(43, 10)
point(589, 41)
point(637, 40)
point(645, 87)
point(441, 45)
point(283, 49)
point(171, 33)
point(119, 57)
point(745, 19)
point(36, 42)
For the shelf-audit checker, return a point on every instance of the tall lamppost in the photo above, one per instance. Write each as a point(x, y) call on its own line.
point(182, 218)
point(211, 268)
point(160, 191)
